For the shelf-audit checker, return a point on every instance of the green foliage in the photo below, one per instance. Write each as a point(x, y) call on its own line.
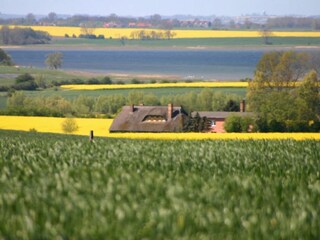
point(109, 104)
point(23, 36)
point(195, 123)
point(25, 81)
point(83, 106)
point(54, 60)
point(272, 95)
point(93, 81)
point(135, 81)
point(69, 125)
point(55, 186)
point(232, 106)
point(235, 123)
point(308, 100)
point(206, 100)
point(20, 104)
point(5, 59)
point(24, 78)
point(106, 80)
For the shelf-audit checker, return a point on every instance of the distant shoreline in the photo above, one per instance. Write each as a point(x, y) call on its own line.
point(92, 47)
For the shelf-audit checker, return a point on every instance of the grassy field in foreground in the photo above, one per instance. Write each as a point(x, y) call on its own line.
point(101, 128)
point(63, 187)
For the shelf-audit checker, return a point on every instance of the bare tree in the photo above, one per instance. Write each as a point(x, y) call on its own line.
point(266, 34)
point(87, 29)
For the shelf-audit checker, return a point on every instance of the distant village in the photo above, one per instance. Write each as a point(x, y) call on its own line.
point(250, 21)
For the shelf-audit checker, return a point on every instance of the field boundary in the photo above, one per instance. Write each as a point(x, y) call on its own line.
point(118, 33)
point(101, 129)
point(155, 85)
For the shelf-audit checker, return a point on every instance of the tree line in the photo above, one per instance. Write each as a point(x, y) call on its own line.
point(19, 103)
point(23, 36)
point(294, 22)
point(156, 21)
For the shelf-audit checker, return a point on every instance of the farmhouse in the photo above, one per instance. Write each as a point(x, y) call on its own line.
point(217, 119)
point(149, 119)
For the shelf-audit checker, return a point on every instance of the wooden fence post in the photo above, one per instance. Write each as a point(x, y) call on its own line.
point(91, 136)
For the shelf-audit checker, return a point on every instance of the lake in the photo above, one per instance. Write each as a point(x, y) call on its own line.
point(188, 64)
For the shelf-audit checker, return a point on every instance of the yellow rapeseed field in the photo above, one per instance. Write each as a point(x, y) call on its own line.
point(53, 125)
point(101, 126)
point(155, 85)
point(126, 32)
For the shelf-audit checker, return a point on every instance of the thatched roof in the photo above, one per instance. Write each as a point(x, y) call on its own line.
point(222, 115)
point(148, 119)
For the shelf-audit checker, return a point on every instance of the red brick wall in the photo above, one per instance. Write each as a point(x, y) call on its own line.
point(218, 128)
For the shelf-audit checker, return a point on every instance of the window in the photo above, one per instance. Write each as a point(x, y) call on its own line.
point(212, 123)
point(154, 119)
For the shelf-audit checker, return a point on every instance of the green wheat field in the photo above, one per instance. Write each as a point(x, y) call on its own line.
point(65, 187)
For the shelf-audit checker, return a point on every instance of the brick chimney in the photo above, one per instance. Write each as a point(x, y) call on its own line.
point(170, 111)
point(132, 108)
point(242, 105)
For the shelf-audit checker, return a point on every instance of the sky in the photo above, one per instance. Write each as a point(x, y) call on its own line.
point(162, 7)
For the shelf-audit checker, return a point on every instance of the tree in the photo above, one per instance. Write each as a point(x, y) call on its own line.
point(87, 29)
point(69, 125)
point(314, 61)
point(217, 23)
point(52, 17)
point(196, 123)
point(169, 34)
point(54, 60)
point(17, 99)
point(22, 36)
point(30, 19)
point(280, 70)
point(155, 20)
point(266, 34)
point(238, 124)
point(232, 106)
point(276, 72)
point(106, 80)
point(308, 98)
point(5, 35)
point(274, 95)
point(5, 59)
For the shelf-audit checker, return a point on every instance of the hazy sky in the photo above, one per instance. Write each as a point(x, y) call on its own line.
point(163, 7)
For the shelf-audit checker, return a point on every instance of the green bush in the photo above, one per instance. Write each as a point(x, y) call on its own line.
point(26, 77)
point(136, 81)
point(93, 81)
point(69, 125)
point(233, 124)
point(106, 80)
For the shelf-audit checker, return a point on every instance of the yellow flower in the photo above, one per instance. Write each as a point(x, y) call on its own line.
point(117, 33)
point(101, 128)
point(155, 85)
